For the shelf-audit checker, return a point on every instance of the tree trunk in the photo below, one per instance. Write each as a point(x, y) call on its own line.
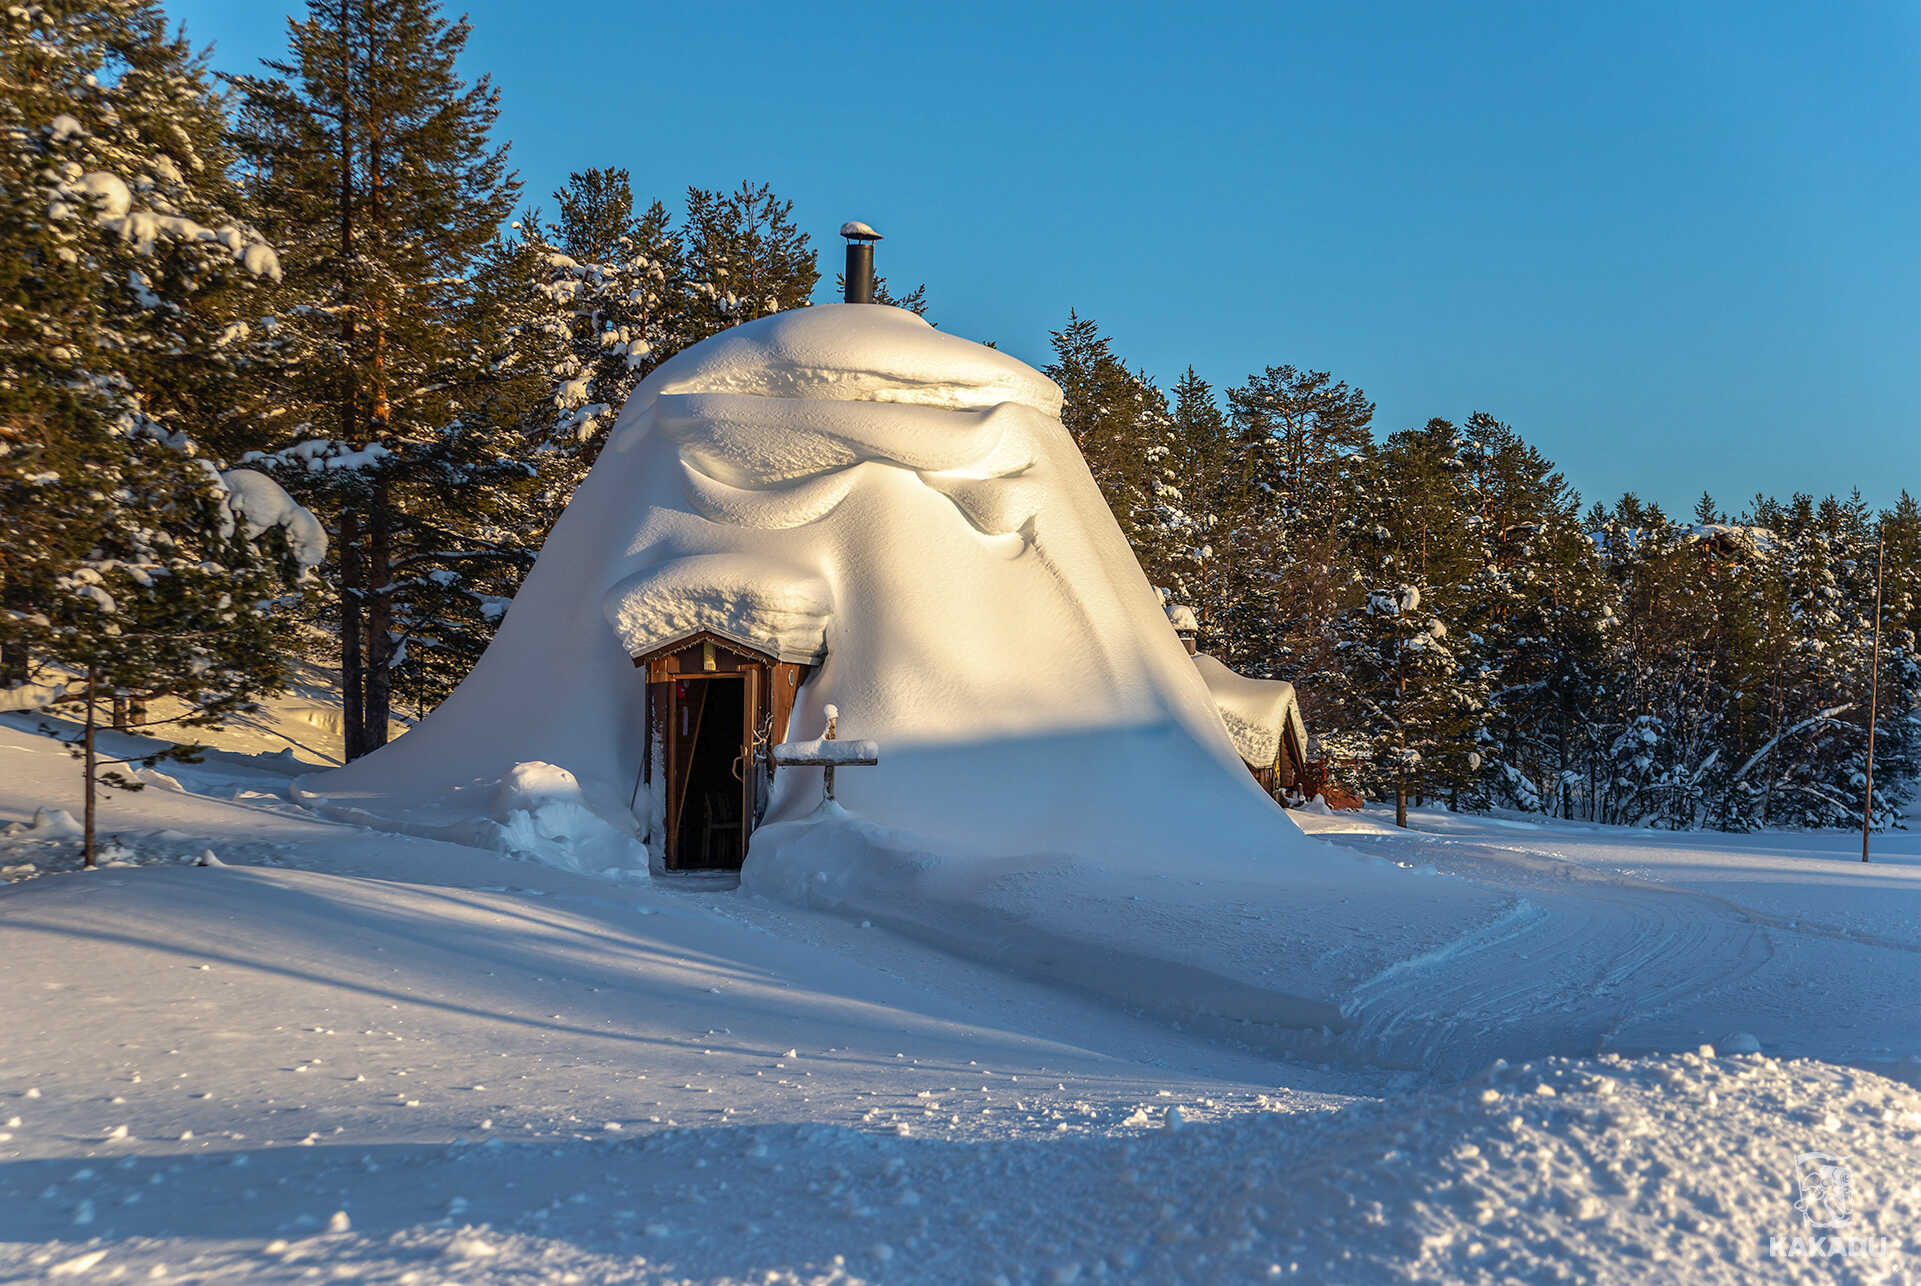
point(353, 673)
point(380, 648)
point(1400, 806)
point(1874, 693)
point(352, 669)
point(91, 762)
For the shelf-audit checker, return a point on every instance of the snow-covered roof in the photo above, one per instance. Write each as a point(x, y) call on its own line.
point(756, 603)
point(1254, 710)
point(1182, 618)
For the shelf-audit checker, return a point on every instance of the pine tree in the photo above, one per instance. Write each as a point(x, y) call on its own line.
point(136, 566)
point(1309, 422)
point(914, 301)
point(370, 160)
point(1300, 436)
point(746, 257)
point(596, 215)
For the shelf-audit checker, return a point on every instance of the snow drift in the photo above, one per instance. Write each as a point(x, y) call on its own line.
point(847, 485)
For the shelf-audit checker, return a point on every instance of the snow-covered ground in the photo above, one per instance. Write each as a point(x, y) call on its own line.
point(343, 1053)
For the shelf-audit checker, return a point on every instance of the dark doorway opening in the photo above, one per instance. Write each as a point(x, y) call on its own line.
point(713, 710)
point(712, 831)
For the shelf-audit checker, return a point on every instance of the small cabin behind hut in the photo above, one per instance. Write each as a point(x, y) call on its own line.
point(1264, 719)
point(1262, 716)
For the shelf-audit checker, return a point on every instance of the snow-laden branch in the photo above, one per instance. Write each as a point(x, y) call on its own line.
point(1830, 715)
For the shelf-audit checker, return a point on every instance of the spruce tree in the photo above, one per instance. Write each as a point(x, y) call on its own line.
point(1196, 506)
point(1120, 422)
point(615, 286)
point(1410, 718)
point(137, 566)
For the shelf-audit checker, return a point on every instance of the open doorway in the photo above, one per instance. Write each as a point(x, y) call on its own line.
point(714, 708)
point(711, 812)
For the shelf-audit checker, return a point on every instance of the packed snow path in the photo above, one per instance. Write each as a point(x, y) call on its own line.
point(350, 1054)
point(1641, 941)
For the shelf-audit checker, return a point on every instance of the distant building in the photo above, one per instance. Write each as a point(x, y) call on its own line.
point(1262, 716)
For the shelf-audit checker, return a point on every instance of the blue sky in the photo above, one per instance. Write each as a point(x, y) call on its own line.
point(1677, 246)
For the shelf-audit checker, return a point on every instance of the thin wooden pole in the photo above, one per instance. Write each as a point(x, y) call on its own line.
point(90, 760)
point(1874, 688)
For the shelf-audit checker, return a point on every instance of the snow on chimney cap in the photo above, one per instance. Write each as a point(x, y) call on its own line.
point(855, 230)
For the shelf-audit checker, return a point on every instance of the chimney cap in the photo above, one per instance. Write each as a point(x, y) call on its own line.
point(855, 230)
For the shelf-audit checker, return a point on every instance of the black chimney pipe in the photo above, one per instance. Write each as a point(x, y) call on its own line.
point(860, 272)
point(859, 278)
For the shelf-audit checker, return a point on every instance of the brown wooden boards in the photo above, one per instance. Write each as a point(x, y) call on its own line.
point(714, 709)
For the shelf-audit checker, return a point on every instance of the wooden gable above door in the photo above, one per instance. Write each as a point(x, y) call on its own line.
point(700, 653)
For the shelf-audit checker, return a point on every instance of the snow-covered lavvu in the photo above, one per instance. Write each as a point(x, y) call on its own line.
point(1049, 991)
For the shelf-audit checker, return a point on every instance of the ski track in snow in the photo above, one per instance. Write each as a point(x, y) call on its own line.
point(350, 1055)
point(1560, 972)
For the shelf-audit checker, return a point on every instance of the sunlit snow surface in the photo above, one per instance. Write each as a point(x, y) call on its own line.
point(350, 1054)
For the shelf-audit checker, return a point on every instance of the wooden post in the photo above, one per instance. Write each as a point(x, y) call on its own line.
point(88, 758)
point(804, 755)
point(833, 731)
point(1874, 689)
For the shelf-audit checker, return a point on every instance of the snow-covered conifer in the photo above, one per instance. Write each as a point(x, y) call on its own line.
point(370, 160)
point(137, 566)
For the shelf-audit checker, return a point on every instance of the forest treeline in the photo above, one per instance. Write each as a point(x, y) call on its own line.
point(1459, 628)
point(324, 273)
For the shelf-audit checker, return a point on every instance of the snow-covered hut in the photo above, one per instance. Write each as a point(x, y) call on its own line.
point(833, 505)
point(1263, 716)
point(1264, 719)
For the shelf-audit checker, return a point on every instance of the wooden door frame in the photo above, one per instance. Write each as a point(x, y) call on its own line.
point(770, 688)
point(676, 745)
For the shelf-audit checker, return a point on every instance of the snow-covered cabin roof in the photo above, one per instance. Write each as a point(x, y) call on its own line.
point(1254, 710)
